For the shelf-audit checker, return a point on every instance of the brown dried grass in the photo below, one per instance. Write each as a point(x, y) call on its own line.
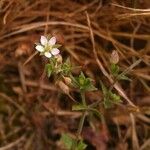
point(33, 110)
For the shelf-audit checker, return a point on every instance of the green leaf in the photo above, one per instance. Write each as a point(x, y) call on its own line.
point(96, 112)
point(104, 89)
point(114, 97)
point(66, 68)
point(78, 107)
point(123, 77)
point(67, 140)
point(74, 81)
point(114, 69)
point(110, 98)
point(88, 86)
point(49, 69)
point(53, 61)
point(81, 145)
point(83, 83)
point(81, 79)
point(107, 103)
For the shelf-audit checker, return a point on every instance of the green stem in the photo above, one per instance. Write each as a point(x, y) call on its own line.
point(74, 145)
point(81, 123)
point(83, 115)
point(83, 98)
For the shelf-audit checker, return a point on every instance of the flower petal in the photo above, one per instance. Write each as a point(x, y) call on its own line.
point(43, 40)
point(55, 51)
point(52, 41)
point(48, 54)
point(39, 48)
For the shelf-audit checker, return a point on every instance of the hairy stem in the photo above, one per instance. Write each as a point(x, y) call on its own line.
point(81, 123)
point(82, 119)
point(83, 98)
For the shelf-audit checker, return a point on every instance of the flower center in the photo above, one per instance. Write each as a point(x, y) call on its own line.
point(48, 48)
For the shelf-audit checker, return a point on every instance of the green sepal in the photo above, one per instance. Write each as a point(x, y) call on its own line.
point(114, 69)
point(49, 69)
point(79, 107)
point(67, 140)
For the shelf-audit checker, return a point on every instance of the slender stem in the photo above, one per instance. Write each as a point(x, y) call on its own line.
point(83, 98)
point(79, 130)
point(81, 124)
point(83, 115)
point(82, 119)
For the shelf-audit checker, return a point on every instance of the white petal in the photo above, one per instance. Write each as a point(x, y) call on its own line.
point(43, 40)
point(39, 48)
point(52, 41)
point(55, 51)
point(48, 54)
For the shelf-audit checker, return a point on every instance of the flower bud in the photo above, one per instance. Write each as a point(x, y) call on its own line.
point(63, 87)
point(67, 80)
point(114, 59)
point(59, 58)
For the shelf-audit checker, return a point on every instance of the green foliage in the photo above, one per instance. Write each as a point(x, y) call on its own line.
point(63, 70)
point(95, 112)
point(110, 98)
point(66, 68)
point(81, 145)
point(55, 68)
point(79, 107)
point(83, 83)
point(115, 70)
point(67, 140)
point(69, 143)
point(49, 69)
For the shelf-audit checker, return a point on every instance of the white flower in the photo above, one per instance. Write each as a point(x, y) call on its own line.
point(48, 54)
point(47, 47)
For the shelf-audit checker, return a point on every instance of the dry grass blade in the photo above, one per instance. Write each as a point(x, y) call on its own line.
point(13, 144)
point(135, 143)
point(133, 9)
point(88, 31)
point(145, 145)
point(7, 98)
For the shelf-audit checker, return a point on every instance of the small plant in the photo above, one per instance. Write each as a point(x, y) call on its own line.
point(62, 71)
point(115, 69)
